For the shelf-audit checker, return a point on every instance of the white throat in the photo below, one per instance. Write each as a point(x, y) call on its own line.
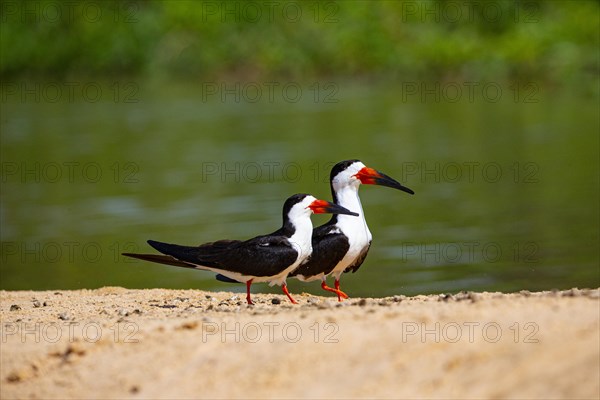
point(347, 197)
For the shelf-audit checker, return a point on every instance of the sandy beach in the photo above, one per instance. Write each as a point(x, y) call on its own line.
point(119, 343)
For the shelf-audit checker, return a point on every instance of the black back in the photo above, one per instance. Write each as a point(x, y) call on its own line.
point(265, 255)
point(260, 256)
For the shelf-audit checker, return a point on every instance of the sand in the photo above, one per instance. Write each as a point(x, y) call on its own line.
point(121, 343)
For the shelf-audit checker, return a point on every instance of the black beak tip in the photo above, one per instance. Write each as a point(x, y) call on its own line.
point(385, 180)
point(407, 190)
point(337, 209)
point(347, 212)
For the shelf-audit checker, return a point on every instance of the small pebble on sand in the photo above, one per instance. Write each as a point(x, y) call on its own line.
point(64, 316)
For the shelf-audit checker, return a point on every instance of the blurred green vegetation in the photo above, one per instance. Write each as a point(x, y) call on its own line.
point(556, 42)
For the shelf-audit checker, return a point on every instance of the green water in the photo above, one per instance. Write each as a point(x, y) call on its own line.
point(507, 189)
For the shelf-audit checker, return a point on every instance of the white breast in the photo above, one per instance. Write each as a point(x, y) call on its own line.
point(355, 228)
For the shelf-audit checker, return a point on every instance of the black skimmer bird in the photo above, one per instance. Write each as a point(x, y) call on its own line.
point(341, 245)
point(268, 258)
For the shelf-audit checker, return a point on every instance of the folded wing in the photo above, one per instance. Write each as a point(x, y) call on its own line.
point(261, 256)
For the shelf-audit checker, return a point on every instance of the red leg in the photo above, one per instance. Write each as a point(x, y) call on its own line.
point(285, 290)
point(248, 299)
point(339, 293)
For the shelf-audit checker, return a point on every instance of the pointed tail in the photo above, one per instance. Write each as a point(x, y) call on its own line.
point(161, 259)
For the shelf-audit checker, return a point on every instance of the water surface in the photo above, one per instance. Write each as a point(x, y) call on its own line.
point(506, 191)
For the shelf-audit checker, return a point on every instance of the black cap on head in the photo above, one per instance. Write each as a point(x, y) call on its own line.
point(292, 201)
point(339, 167)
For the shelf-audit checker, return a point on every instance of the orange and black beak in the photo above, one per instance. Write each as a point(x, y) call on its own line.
point(325, 207)
point(369, 176)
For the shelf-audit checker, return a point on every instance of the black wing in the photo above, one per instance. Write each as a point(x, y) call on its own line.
point(359, 260)
point(329, 247)
point(261, 256)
